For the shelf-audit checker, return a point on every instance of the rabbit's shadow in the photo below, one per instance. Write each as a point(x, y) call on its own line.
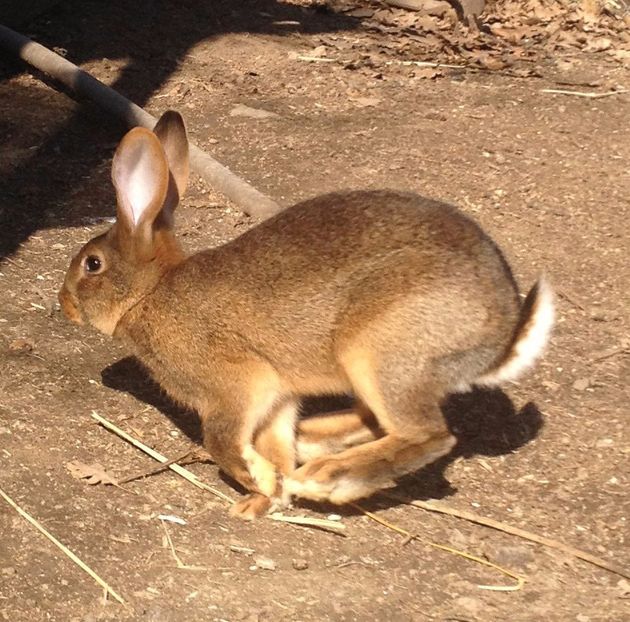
point(484, 421)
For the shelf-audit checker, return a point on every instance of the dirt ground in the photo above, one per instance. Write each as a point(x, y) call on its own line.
point(547, 176)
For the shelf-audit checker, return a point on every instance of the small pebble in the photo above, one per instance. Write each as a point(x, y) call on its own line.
point(604, 442)
point(265, 563)
point(581, 384)
point(300, 564)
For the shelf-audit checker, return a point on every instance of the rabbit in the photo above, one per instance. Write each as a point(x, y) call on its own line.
point(390, 297)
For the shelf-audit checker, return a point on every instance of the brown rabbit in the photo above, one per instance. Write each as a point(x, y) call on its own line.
point(388, 296)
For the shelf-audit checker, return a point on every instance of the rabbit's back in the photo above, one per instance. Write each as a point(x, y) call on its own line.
point(297, 287)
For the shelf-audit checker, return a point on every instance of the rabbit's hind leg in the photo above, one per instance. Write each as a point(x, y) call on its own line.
point(406, 405)
point(278, 442)
point(334, 432)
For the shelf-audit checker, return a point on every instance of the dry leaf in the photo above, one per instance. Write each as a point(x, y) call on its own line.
point(367, 102)
point(489, 62)
point(598, 44)
point(513, 35)
point(241, 110)
point(525, 72)
point(427, 73)
point(22, 345)
point(93, 473)
point(567, 39)
point(545, 12)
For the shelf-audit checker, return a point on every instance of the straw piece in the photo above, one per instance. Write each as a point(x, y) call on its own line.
point(180, 564)
point(64, 549)
point(305, 521)
point(589, 95)
point(514, 531)
point(409, 536)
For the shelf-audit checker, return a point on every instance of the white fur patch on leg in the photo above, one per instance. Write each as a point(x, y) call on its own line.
point(262, 471)
point(339, 491)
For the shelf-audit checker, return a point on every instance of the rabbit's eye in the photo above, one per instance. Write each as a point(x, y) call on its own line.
point(92, 264)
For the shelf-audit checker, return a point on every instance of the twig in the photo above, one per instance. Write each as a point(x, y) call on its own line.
point(185, 473)
point(583, 94)
point(515, 531)
point(609, 354)
point(62, 547)
point(163, 467)
point(569, 299)
point(520, 581)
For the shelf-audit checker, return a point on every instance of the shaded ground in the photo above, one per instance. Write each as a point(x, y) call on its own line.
point(547, 175)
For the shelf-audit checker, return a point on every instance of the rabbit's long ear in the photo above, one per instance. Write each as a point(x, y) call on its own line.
point(171, 131)
point(141, 178)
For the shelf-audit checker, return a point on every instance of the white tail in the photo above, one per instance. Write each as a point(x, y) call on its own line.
point(534, 328)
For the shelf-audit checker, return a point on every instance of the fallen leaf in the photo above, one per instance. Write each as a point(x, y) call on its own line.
point(367, 102)
point(22, 345)
point(525, 72)
point(93, 473)
point(598, 44)
point(427, 73)
point(545, 12)
point(512, 35)
point(489, 62)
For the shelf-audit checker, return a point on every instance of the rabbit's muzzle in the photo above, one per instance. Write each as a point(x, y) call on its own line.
point(69, 306)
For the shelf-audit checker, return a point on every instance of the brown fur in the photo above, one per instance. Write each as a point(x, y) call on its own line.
point(390, 296)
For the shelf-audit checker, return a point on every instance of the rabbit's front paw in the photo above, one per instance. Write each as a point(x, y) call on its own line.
point(256, 505)
point(251, 507)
